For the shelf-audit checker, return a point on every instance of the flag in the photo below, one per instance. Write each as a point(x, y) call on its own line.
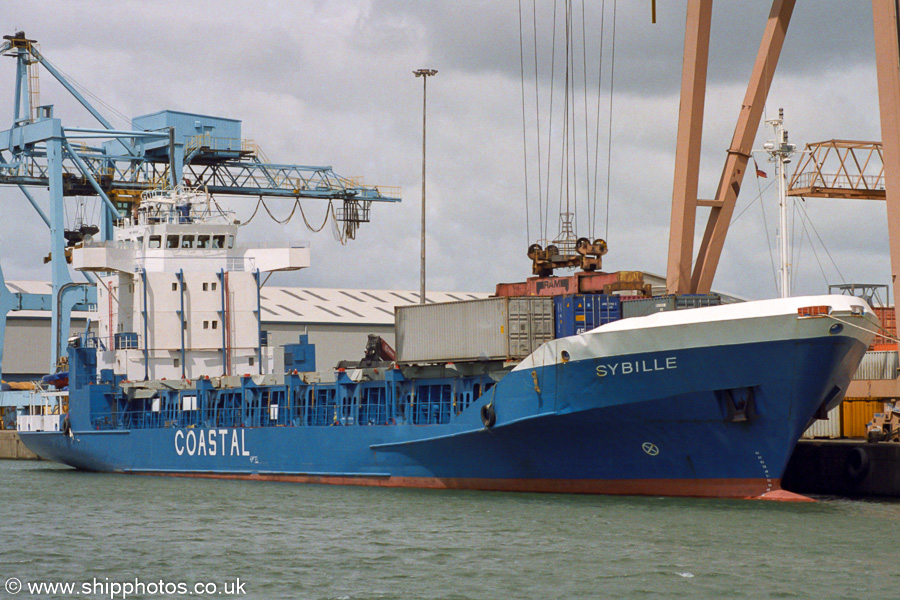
point(759, 172)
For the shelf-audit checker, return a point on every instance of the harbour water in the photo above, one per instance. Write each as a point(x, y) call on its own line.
point(273, 540)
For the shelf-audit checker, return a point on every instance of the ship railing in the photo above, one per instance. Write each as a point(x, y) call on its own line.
point(125, 340)
point(205, 141)
point(232, 263)
point(133, 245)
point(45, 411)
point(375, 403)
point(855, 181)
point(160, 263)
point(174, 415)
point(240, 264)
point(172, 217)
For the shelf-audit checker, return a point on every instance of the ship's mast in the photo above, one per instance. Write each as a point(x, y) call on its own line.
point(780, 151)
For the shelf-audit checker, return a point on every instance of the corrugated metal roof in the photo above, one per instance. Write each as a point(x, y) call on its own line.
point(347, 306)
point(301, 305)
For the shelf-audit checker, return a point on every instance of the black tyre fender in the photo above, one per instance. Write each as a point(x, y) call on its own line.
point(488, 416)
point(66, 426)
point(858, 463)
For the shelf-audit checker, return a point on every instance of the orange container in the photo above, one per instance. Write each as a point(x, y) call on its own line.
point(890, 347)
point(855, 414)
point(888, 318)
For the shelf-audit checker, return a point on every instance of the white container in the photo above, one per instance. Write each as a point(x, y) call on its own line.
point(488, 329)
point(878, 365)
point(829, 428)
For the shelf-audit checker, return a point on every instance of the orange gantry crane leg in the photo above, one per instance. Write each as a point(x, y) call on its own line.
point(887, 61)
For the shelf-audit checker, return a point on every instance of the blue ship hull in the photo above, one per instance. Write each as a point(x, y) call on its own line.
point(702, 420)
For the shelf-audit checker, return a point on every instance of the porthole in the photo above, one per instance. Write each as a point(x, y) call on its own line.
point(836, 329)
point(564, 355)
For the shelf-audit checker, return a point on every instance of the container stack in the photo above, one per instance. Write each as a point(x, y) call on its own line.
point(888, 317)
point(509, 328)
point(852, 419)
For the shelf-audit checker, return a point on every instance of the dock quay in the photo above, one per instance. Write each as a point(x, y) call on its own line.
point(844, 468)
point(11, 447)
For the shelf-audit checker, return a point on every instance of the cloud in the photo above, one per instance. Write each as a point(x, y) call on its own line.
point(330, 83)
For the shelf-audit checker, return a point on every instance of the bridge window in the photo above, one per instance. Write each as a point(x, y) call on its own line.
point(172, 241)
point(187, 241)
point(218, 241)
point(203, 241)
point(154, 241)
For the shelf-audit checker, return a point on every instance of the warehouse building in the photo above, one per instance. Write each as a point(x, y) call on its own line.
point(338, 322)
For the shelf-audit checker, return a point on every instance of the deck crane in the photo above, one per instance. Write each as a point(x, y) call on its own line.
point(162, 150)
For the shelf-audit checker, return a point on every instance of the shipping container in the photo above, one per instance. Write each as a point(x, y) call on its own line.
point(489, 329)
point(878, 365)
point(889, 347)
point(829, 428)
point(683, 301)
point(577, 314)
point(647, 306)
point(855, 414)
point(888, 317)
point(530, 325)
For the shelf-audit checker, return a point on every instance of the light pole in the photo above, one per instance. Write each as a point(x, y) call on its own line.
point(424, 74)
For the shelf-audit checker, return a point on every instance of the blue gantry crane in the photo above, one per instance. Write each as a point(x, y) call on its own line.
point(162, 150)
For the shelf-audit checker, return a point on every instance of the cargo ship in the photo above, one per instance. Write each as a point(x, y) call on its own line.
point(526, 393)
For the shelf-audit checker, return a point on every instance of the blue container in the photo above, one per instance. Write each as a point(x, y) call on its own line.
point(583, 312)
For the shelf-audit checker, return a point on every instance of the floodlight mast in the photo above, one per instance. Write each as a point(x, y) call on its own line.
point(424, 74)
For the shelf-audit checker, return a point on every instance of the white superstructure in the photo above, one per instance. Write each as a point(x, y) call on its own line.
point(177, 298)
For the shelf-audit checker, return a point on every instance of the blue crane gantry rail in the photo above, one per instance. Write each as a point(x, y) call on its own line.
point(161, 151)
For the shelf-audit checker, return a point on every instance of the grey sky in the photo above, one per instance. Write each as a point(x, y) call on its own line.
point(331, 83)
